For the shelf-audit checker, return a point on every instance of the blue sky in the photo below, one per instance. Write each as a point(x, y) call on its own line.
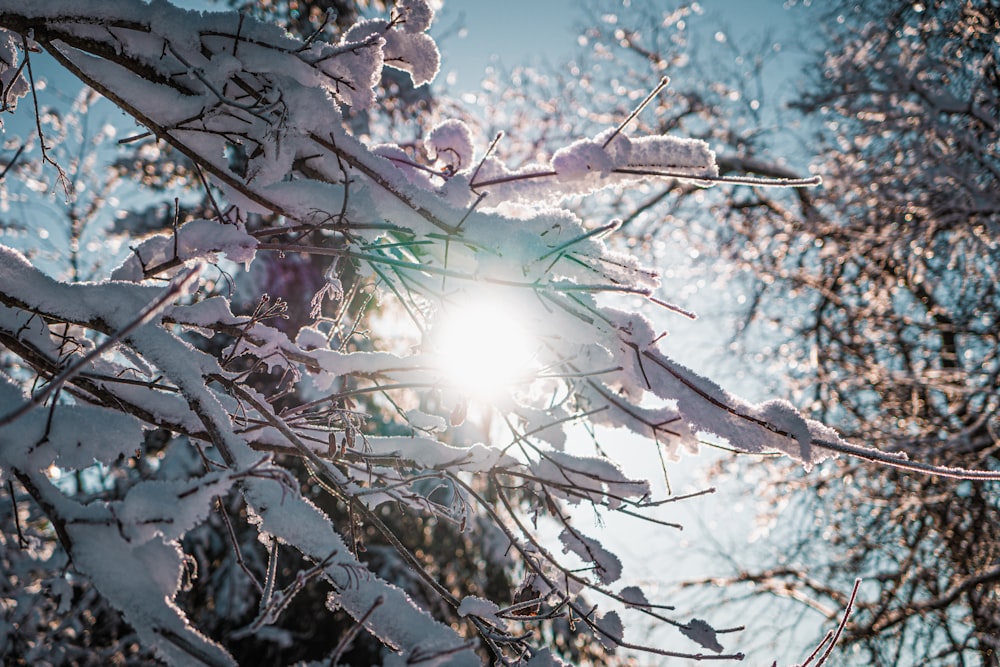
point(537, 32)
point(517, 32)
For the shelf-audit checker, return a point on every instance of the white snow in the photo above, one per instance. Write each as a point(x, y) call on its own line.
point(13, 83)
point(607, 566)
point(194, 241)
point(413, 232)
point(450, 142)
point(417, 15)
point(473, 605)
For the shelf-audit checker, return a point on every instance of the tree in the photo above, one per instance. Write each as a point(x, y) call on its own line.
point(880, 291)
point(362, 409)
point(898, 342)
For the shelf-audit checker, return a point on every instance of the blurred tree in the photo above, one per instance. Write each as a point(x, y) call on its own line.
point(877, 298)
point(886, 281)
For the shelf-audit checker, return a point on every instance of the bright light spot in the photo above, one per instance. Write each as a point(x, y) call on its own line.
point(483, 346)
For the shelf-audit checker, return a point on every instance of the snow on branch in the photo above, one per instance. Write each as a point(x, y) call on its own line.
point(406, 248)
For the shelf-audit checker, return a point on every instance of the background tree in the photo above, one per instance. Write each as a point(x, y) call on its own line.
point(892, 270)
point(876, 295)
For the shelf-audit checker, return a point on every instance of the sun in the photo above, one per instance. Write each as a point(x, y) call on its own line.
point(483, 346)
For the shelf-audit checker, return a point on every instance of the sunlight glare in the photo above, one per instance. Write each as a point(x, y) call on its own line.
point(483, 346)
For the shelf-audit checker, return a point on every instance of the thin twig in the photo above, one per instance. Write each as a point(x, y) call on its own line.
point(493, 145)
point(7, 167)
point(21, 541)
point(63, 179)
point(236, 547)
point(843, 624)
point(352, 632)
point(732, 180)
point(664, 82)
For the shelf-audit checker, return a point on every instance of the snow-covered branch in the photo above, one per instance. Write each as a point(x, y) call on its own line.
point(265, 120)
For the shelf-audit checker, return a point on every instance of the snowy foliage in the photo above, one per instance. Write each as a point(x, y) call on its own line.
point(91, 369)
